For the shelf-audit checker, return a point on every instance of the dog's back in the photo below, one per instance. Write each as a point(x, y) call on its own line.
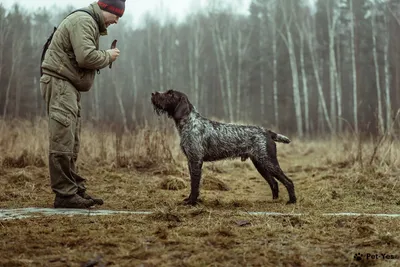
point(212, 140)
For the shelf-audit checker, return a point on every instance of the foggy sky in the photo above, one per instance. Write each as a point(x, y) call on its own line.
point(134, 9)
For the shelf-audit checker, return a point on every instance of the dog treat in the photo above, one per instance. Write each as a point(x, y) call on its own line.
point(113, 45)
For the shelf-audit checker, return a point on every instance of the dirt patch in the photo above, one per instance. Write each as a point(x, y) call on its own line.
point(213, 183)
point(173, 183)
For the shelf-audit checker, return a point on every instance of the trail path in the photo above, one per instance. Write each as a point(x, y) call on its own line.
point(12, 214)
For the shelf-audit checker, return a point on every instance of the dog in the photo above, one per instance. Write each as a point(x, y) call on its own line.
point(204, 140)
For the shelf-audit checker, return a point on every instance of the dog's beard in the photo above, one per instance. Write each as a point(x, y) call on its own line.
point(158, 110)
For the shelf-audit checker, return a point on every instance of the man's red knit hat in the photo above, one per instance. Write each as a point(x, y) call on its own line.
point(116, 7)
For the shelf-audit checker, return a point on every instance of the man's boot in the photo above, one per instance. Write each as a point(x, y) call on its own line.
point(72, 202)
point(97, 201)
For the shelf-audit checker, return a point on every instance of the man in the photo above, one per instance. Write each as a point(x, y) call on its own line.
point(69, 68)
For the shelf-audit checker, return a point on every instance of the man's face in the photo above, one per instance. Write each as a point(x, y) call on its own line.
point(110, 18)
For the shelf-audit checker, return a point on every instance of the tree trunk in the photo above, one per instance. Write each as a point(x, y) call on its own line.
point(96, 100)
point(288, 39)
point(387, 78)
point(220, 76)
point(134, 91)
point(160, 59)
point(353, 64)
point(323, 111)
point(378, 84)
point(4, 33)
point(305, 85)
point(339, 89)
point(332, 65)
point(196, 63)
point(274, 73)
point(149, 53)
point(239, 77)
point(118, 94)
point(228, 82)
point(191, 68)
point(262, 79)
point(295, 82)
point(16, 51)
point(239, 96)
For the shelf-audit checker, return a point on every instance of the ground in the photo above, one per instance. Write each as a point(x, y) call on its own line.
point(335, 175)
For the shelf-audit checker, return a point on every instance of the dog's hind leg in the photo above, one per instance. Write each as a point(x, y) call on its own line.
point(278, 174)
point(272, 164)
point(267, 176)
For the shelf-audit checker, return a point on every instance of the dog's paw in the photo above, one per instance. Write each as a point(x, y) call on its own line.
point(190, 201)
point(291, 201)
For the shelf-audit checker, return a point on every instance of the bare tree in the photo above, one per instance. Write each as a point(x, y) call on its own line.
point(119, 96)
point(160, 64)
point(150, 52)
point(223, 49)
point(353, 64)
point(332, 23)
point(387, 72)
point(339, 89)
point(239, 75)
point(261, 42)
point(305, 83)
point(288, 40)
point(242, 46)
point(275, 67)
point(377, 76)
point(195, 50)
point(322, 109)
point(135, 89)
point(5, 30)
point(220, 71)
point(16, 52)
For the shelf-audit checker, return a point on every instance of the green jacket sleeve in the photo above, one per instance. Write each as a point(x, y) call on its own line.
point(82, 35)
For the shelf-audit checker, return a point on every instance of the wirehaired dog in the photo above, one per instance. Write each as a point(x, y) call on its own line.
point(203, 140)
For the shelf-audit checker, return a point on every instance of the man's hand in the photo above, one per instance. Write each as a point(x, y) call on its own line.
point(114, 53)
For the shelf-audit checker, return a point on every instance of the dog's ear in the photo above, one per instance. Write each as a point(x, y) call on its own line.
point(182, 110)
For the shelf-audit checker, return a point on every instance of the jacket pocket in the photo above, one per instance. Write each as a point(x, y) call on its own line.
point(43, 82)
point(45, 79)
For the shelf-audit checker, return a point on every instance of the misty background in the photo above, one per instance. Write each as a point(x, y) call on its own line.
point(304, 70)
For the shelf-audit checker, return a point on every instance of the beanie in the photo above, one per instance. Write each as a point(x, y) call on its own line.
point(116, 7)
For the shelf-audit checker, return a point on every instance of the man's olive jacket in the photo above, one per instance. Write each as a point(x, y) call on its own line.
point(73, 53)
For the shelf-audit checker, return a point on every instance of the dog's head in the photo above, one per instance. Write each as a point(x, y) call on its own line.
point(174, 103)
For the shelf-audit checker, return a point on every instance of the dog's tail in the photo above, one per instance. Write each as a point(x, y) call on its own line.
point(279, 137)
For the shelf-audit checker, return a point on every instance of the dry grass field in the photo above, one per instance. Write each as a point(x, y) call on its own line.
point(145, 171)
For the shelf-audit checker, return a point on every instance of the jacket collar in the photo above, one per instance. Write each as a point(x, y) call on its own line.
point(94, 7)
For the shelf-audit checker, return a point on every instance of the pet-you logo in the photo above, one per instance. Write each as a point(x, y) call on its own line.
point(375, 256)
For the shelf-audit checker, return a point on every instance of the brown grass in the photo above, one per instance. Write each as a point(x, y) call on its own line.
point(146, 171)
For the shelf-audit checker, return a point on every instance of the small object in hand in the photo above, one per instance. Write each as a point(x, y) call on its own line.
point(113, 45)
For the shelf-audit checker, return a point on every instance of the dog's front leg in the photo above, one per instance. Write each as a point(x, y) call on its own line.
point(195, 177)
